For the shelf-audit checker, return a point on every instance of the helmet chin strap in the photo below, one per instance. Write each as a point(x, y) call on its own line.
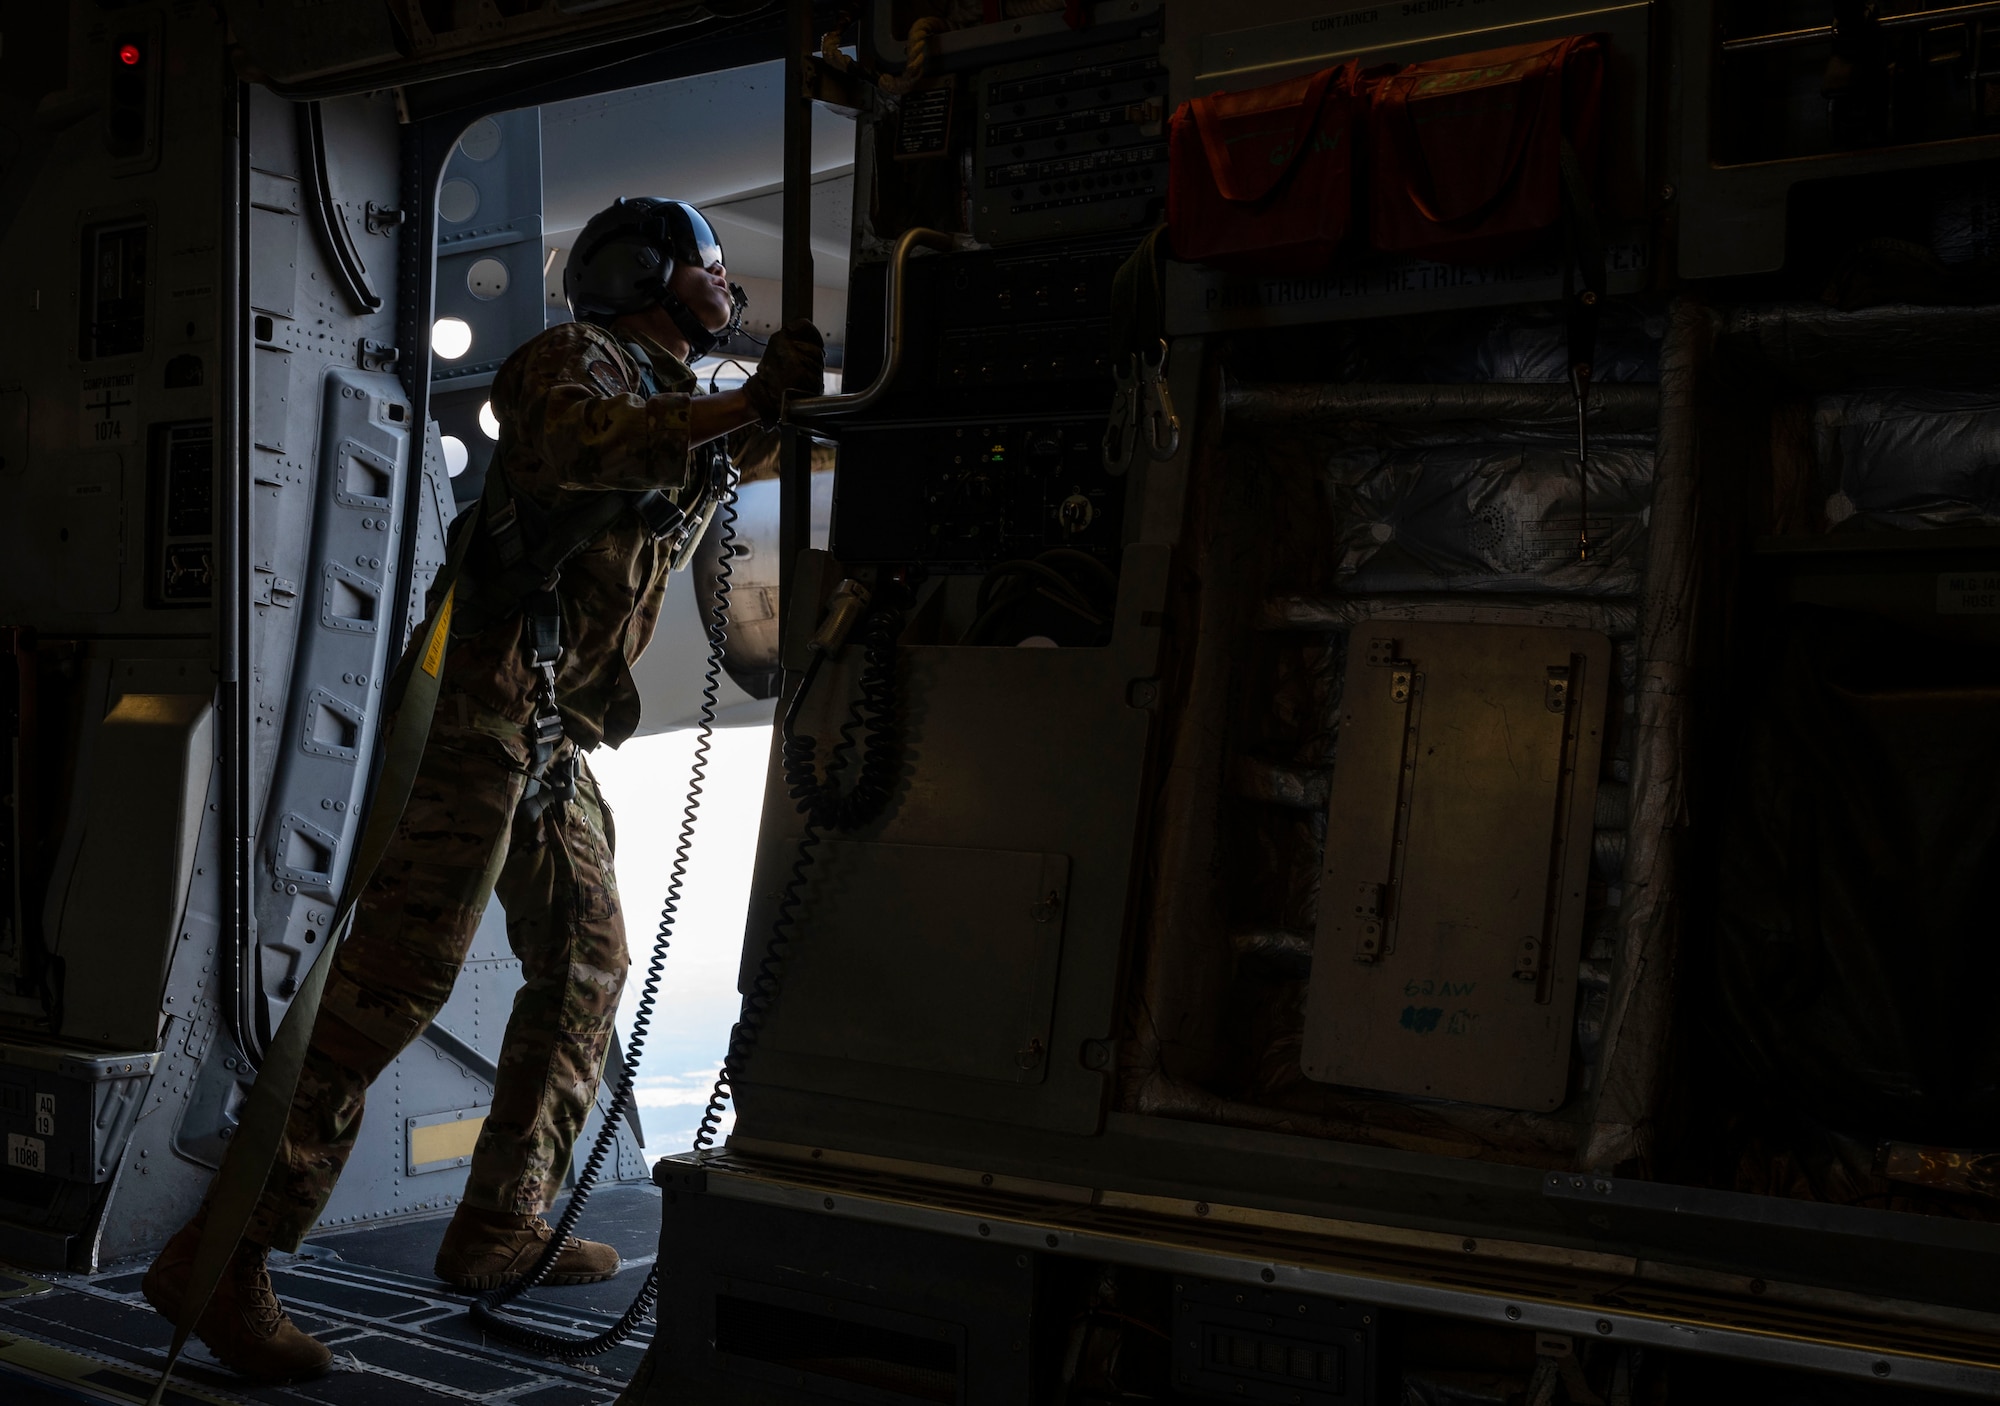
point(700, 340)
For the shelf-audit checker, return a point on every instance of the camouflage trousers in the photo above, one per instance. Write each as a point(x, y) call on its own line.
point(465, 836)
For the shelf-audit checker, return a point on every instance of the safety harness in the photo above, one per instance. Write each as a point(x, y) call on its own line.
point(517, 566)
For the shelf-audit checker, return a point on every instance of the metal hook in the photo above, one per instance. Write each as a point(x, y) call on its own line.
point(1121, 432)
point(1163, 426)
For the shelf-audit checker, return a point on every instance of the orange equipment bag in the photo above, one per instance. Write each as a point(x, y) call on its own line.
point(1467, 152)
point(1264, 178)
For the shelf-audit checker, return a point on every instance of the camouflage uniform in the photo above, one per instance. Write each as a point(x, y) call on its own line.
point(573, 419)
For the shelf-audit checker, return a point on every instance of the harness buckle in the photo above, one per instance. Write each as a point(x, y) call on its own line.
point(548, 724)
point(555, 784)
point(658, 512)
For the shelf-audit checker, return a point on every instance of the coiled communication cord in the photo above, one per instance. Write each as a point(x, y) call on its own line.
point(486, 1308)
point(824, 805)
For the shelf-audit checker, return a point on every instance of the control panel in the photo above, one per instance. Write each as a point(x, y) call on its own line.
point(1072, 143)
point(180, 536)
point(960, 497)
point(990, 446)
point(986, 325)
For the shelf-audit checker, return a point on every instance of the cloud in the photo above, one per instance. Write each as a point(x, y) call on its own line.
point(645, 784)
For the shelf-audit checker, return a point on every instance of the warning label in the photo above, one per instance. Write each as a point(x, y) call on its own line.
point(1968, 593)
point(105, 410)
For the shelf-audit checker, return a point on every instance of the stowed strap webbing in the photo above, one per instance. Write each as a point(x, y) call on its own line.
point(410, 701)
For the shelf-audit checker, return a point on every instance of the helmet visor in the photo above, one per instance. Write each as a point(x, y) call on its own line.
point(692, 238)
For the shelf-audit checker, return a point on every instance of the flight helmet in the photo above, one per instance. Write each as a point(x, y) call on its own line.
point(627, 253)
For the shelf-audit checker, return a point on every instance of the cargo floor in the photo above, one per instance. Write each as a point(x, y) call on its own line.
point(398, 1335)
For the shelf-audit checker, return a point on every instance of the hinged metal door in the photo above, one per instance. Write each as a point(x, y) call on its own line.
point(1452, 897)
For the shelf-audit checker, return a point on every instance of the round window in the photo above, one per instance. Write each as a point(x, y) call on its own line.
point(486, 279)
point(481, 140)
point(458, 200)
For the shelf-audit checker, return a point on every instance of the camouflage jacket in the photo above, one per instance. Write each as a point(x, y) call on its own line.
point(575, 419)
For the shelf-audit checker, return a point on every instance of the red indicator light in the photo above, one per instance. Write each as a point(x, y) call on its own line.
point(128, 54)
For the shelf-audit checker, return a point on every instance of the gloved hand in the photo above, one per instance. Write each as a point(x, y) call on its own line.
point(794, 361)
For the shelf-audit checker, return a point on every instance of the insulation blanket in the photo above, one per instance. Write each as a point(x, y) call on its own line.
point(1502, 344)
point(1908, 459)
point(1486, 517)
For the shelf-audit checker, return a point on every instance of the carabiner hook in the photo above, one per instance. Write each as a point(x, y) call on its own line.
point(1163, 427)
point(1121, 432)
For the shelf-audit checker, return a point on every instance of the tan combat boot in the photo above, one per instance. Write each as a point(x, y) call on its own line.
point(485, 1250)
point(244, 1325)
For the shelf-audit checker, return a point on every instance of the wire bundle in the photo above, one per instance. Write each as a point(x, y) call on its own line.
point(1064, 593)
point(873, 717)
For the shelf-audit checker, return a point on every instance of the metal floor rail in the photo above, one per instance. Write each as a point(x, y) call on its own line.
point(1553, 1288)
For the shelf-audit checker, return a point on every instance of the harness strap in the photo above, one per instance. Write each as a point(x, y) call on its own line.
point(1138, 302)
point(541, 640)
point(529, 548)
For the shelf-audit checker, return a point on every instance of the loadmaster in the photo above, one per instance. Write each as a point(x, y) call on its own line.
point(608, 467)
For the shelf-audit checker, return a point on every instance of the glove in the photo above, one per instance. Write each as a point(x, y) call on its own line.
point(794, 362)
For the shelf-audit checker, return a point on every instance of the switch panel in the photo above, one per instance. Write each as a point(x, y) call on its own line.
point(962, 497)
point(1071, 144)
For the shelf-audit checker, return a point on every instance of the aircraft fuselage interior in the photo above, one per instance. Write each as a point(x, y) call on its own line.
point(1382, 656)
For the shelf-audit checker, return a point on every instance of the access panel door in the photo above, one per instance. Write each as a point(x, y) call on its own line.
point(1457, 851)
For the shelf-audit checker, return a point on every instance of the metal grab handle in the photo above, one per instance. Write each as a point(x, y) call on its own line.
point(803, 410)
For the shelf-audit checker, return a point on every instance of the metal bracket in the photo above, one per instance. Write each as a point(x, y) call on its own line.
point(840, 89)
point(280, 591)
point(381, 219)
point(1528, 962)
point(377, 356)
point(1371, 902)
point(1556, 694)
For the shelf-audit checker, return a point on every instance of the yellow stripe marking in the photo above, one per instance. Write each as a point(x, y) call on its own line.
point(440, 632)
point(103, 1378)
point(441, 1142)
